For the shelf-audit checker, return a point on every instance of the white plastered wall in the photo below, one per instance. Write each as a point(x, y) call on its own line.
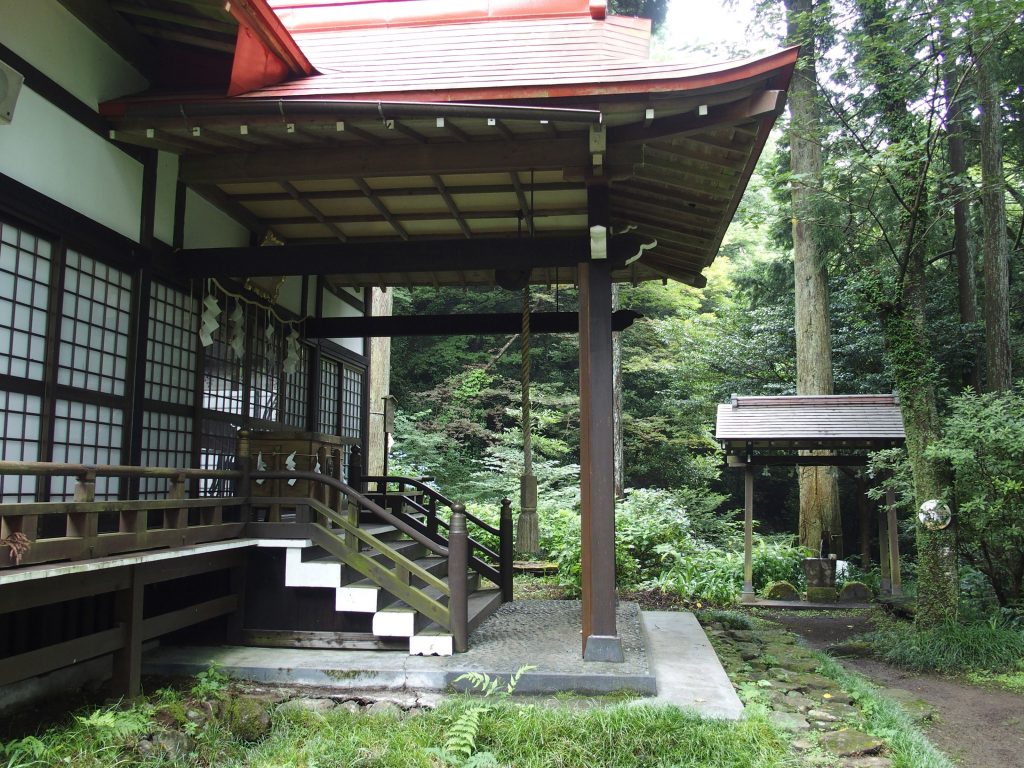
point(335, 307)
point(52, 153)
point(206, 226)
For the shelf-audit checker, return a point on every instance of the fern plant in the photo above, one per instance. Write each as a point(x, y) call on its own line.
point(460, 741)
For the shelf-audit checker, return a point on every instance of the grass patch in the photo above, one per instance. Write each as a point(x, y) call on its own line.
point(950, 648)
point(525, 736)
point(1010, 681)
point(908, 747)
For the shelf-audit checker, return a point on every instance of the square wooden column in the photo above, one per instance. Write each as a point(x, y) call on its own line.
point(747, 596)
point(601, 641)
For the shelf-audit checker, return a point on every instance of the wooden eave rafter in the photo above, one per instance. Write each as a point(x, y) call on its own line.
point(676, 178)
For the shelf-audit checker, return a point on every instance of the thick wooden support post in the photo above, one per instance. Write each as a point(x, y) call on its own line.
point(127, 679)
point(747, 596)
point(894, 544)
point(83, 525)
point(601, 641)
point(458, 563)
point(243, 463)
point(885, 585)
point(507, 551)
point(236, 621)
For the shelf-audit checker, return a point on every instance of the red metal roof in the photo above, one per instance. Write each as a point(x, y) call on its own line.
point(430, 50)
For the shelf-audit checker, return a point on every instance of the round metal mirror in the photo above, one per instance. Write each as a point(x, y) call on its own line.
point(935, 515)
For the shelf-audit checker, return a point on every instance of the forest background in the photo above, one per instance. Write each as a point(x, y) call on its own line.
point(911, 97)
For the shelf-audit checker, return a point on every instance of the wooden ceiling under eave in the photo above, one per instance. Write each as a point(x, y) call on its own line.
point(675, 145)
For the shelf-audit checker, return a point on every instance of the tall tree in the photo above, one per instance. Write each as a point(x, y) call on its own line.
point(819, 491)
point(995, 246)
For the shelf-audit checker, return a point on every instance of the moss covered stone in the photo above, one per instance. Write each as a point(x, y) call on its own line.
point(247, 718)
point(855, 592)
point(821, 594)
point(781, 590)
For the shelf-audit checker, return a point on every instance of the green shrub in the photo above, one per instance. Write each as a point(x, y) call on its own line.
point(983, 441)
point(949, 649)
point(778, 558)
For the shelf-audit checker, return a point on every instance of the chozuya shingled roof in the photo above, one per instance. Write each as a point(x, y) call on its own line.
point(811, 421)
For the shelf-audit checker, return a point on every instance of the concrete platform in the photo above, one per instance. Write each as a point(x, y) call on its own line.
point(668, 657)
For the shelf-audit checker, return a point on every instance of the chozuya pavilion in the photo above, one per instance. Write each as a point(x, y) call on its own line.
point(198, 203)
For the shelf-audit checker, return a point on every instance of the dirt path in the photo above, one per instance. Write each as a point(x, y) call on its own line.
point(977, 727)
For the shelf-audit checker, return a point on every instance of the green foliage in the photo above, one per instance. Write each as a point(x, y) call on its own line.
point(114, 725)
point(460, 742)
point(983, 441)
point(949, 648)
point(211, 683)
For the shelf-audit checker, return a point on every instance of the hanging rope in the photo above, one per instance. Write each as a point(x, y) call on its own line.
point(527, 425)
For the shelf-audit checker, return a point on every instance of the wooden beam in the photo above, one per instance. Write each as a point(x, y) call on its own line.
point(452, 325)
point(188, 616)
point(398, 160)
point(767, 103)
point(221, 45)
point(216, 197)
point(112, 29)
point(384, 258)
point(182, 19)
point(51, 657)
point(524, 208)
point(313, 210)
point(463, 189)
point(362, 218)
point(452, 207)
point(382, 209)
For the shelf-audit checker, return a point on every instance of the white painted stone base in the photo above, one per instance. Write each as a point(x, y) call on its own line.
point(312, 574)
point(431, 645)
point(400, 623)
point(357, 599)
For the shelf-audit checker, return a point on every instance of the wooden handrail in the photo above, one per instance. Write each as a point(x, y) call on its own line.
point(46, 468)
point(418, 484)
point(359, 499)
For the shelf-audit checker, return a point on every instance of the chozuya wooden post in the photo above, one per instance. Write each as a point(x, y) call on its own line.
point(601, 641)
point(747, 595)
point(894, 543)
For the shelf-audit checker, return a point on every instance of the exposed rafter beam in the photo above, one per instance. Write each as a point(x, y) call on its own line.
point(112, 29)
point(199, 41)
point(524, 209)
point(182, 19)
point(401, 160)
point(760, 105)
point(239, 213)
point(363, 218)
point(381, 208)
point(350, 194)
point(315, 212)
point(454, 325)
point(452, 207)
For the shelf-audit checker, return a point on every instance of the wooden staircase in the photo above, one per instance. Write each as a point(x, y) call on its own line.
point(401, 552)
point(393, 618)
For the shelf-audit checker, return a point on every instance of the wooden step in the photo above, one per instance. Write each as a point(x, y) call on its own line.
point(435, 640)
point(365, 596)
point(402, 620)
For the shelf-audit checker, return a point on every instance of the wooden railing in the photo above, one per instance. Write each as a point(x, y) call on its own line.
point(77, 524)
point(491, 564)
point(334, 509)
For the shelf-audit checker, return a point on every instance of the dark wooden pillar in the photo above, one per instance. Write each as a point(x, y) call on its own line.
point(127, 679)
point(601, 641)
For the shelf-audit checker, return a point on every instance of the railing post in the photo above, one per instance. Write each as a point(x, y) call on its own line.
point(244, 465)
point(432, 518)
point(458, 564)
point(84, 525)
point(506, 551)
point(177, 517)
point(355, 469)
